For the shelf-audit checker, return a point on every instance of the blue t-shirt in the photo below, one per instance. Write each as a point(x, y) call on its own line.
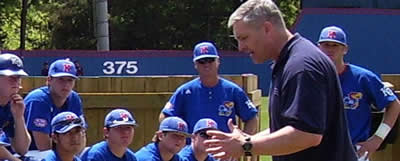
point(53, 156)
point(150, 152)
point(102, 152)
point(40, 109)
point(6, 121)
point(193, 101)
point(187, 154)
point(305, 93)
point(362, 88)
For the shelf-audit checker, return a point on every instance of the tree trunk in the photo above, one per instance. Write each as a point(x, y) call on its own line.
point(23, 24)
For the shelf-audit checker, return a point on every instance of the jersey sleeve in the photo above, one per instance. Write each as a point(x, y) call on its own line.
point(174, 107)
point(378, 94)
point(38, 116)
point(245, 107)
point(305, 102)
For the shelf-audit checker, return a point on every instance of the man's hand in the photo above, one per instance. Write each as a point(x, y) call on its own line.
point(17, 106)
point(226, 145)
point(369, 146)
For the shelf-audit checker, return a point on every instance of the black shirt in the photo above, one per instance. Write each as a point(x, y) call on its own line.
point(305, 94)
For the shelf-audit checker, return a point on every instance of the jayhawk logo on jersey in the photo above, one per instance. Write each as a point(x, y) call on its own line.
point(226, 108)
point(352, 100)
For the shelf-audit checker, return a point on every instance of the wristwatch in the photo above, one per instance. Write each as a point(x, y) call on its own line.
point(247, 147)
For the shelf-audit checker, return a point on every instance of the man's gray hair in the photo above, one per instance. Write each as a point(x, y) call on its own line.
point(255, 12)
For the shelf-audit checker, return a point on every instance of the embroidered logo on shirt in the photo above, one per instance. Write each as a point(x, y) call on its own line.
point(352, 100)
point(188, 92)
point(40, 122)
point(226, 108)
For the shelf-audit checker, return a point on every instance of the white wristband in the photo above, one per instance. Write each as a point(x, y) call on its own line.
point(383, 130)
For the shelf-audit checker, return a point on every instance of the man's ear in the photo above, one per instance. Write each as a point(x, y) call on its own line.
point(105, 132)
point(54, 137)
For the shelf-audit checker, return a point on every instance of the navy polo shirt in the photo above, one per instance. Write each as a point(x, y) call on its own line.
point(305, 93)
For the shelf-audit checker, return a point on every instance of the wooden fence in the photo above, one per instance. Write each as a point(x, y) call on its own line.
point(143, 96)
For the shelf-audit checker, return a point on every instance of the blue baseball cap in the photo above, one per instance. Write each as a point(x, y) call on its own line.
point(11, 65)
point(174, 124)
point(333, 34)
point(62, 68)
point(119, 117)
point(65, 121)
point(204, 50)
point(205, 124)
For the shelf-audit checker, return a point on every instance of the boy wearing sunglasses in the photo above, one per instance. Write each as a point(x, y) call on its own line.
point(68, 132)
point(43, 103)
point(118, 133)
point(168, 141)
point(210, 95)
point(197, 150)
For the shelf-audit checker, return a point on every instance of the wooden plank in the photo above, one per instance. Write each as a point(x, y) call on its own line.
point(39, 82)
point(250, 82)
point(87, 84)
point(393, 79)
point(133, 84)
point(138, 139)
point(238, 80)
point(27, 84)
point(156, 84)
point(109, 84)
point(92, 117)
point(255, 97)
point(133, 100)
point(175, 81)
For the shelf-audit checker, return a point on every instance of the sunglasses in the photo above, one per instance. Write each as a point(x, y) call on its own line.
point(205, 60)
point(62, 124)
point(204, 135)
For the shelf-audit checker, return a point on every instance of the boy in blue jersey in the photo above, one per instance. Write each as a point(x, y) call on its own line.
point(210, 96)
point(68, 133)
point(361, 89)
point(306, 112)
point(197, 150)
point(12, 122)
point(168, 141)
point(118, 133)
point(43, 103)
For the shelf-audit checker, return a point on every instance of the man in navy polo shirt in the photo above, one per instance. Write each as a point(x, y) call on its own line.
point(43, 103)
point(118, 133)
point(306, 112)
point(168, 141)
point(196, 151)
point(210, 96)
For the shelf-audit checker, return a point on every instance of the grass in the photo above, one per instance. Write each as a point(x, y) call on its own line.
point(264, 120)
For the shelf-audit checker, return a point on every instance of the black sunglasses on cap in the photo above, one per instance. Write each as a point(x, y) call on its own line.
point(204, 135)
point(205, 60)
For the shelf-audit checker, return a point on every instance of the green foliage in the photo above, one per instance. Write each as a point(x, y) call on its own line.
point(133, 24)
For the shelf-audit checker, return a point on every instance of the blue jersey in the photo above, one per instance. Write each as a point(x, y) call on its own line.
point(187, 154)
point(6, 122)
point(151, 153)
point(102, 152)
point(361, 89)
point(40, 109)
point(53, 156)
point(193, 101)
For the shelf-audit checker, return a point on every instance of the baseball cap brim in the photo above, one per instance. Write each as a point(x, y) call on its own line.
point(204, 56)
point(8, 72)
point(206, 128)
point(331, 40)
point(64, 75)
point(65, 129)
point(179, 132)
point(131, 123)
